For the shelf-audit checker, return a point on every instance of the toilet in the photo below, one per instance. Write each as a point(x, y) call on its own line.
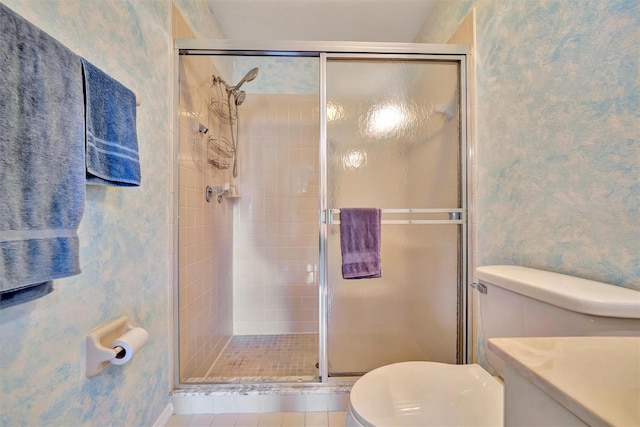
point(514, 302)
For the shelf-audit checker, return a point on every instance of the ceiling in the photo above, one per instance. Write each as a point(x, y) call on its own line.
point(322, 20)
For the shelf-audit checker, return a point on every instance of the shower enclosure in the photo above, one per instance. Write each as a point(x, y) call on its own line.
point(259, 293)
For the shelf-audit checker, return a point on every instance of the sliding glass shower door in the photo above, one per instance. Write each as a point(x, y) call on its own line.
point(394, 141)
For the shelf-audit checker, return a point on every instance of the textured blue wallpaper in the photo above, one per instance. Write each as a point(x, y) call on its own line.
point(558, 185)
point(124, 237)
point(279, 75)
point(200, 17)
point(558, 126)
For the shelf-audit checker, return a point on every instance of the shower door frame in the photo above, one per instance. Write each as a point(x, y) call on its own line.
point(324, 51)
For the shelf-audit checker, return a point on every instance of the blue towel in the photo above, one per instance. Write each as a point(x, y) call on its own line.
point(41, 160)
point(112, 142)
point(360, 242)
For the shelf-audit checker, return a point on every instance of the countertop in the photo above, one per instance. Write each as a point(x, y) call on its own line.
point(596, 378)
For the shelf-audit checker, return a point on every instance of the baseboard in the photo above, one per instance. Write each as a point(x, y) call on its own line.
point(164, 416)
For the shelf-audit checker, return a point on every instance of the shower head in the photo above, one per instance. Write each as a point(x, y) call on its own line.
point(240, 96)
point(252, 74)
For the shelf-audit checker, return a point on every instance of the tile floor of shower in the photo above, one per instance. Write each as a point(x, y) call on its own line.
point(271, 358)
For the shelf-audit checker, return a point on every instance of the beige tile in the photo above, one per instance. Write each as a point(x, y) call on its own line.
point(337, 419)
point(179, 421)
point(201, 420)
point(224, 420)
point(293, 419)
point(316, 419)
point(271, 420)
point(247, 420)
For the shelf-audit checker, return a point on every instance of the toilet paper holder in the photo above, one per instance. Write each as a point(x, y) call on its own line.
point(99, 352)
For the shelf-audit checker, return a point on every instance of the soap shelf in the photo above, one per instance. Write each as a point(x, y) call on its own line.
point(219, 192)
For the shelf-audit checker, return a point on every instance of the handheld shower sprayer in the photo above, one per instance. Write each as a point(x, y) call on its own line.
point(252, 74)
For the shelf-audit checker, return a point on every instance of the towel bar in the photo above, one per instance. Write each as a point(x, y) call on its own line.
point(458, 214)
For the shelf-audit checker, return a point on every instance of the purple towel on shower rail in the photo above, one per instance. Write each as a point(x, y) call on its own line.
point(360, 242)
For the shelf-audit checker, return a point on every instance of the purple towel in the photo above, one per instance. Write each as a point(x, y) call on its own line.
point(360, 242)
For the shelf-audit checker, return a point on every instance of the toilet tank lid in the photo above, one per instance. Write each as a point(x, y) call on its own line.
point(569, 292)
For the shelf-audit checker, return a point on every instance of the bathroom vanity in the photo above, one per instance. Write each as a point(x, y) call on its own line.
point(570, 381)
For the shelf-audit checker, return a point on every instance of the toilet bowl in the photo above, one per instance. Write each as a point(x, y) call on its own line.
point(426, 394)
point(514, 302)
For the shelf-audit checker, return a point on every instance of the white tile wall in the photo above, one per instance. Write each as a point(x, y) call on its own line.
point(205, 231)
point(276, 218)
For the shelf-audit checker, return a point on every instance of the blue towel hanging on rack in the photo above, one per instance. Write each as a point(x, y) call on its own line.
point(111, 139)
point(41, 160)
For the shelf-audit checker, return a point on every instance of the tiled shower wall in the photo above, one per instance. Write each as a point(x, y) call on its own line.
point(276, 217)
point(206, 229)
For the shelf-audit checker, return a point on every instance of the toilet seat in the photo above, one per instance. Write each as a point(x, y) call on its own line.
point(426, 394)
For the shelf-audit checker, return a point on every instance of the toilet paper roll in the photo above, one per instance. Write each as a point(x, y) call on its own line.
point(130, 342)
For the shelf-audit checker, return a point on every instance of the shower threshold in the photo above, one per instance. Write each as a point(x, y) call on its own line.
point(202, 398)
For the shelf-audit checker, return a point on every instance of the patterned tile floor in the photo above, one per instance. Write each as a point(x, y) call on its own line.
point(268, 358)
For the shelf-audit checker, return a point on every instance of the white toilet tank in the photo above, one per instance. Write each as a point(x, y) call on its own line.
point(525, 302)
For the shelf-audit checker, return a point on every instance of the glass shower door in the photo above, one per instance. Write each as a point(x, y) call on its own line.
point(394, 142)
